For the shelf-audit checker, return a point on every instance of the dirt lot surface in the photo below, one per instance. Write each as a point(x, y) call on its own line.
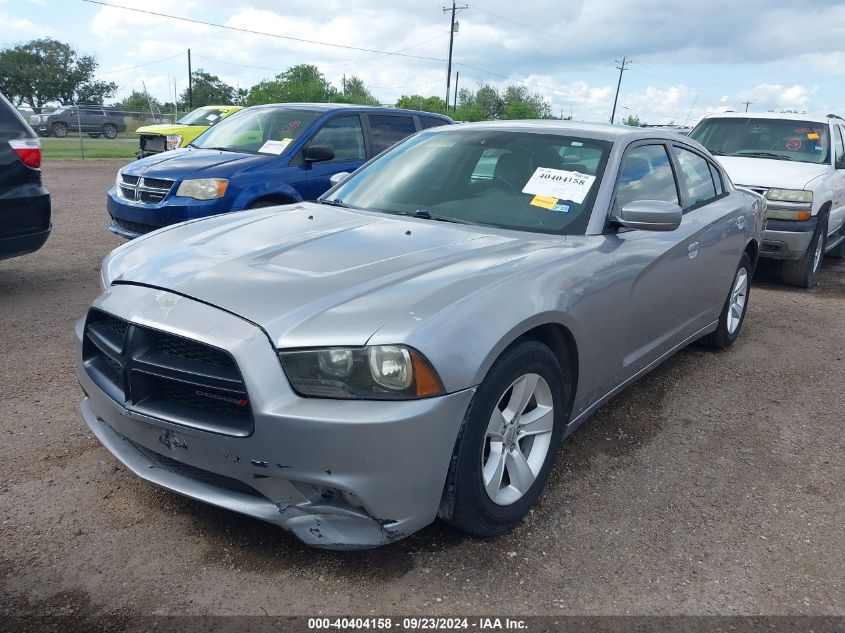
point(716, 485)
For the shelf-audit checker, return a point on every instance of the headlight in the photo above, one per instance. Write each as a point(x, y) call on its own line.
point(789, 195)
point(174, 141)
point(203, 188)
point(380, 372)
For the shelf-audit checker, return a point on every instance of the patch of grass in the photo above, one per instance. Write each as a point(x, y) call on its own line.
point(68, 148)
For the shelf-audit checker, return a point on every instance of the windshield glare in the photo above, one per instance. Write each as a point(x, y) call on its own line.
point(801, 141)
point(258, 130)
point(514, 180)
point(203, 116)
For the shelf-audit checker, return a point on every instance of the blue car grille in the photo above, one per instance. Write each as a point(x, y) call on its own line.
point(146, 190)
point(166, 376)
point(135, 228)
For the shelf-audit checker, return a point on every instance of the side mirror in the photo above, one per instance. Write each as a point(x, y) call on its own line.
point(840, 164)
point(338, 178)
point(650, 215)
point(317, 153)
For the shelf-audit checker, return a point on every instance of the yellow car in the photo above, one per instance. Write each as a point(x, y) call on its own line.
point(160, 138)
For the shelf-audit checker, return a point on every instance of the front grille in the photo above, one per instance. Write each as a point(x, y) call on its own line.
point(166, 376)
point(132, 227)
point(192, 472)
point(146, 190)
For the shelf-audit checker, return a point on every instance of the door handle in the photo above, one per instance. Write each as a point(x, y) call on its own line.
point(692, 249)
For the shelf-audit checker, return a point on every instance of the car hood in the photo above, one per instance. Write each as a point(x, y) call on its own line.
point(179, 163)
point(765, 172)
point(313, 275)
point(163, 129)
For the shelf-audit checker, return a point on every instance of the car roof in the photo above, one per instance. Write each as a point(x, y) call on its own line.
point(601, 131)
point(328, 107)
point(786, 116)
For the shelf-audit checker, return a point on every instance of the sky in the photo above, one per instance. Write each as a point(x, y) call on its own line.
point(688, 58)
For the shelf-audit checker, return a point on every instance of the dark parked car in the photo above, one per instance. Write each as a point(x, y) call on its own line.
point(93, 120)
point(24, 202)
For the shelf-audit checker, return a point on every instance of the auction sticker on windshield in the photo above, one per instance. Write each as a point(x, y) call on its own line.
point(560, 184)
point(275, 147)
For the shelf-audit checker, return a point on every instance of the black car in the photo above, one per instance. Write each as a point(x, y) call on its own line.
point(24, 202)
point(93, 120)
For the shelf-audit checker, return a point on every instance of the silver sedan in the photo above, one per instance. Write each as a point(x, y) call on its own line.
point(418, 342)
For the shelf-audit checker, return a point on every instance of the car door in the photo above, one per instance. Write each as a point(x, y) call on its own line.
point(837, 209)
point(346, 135)
point(721, 215)
point(662, 268)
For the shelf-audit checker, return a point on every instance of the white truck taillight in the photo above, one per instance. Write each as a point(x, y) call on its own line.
point(28, 150)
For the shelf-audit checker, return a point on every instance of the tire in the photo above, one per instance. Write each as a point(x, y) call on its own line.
point(736, 305)
point(485, 451)
point(94, 134)
point(109, 131)
point(59, 130)
point(804, 272)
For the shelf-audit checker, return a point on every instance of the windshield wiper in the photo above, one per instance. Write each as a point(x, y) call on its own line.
point(333, 203)
point(762, 154)
point(219, 149)
point(716, 152)
point(427, 215)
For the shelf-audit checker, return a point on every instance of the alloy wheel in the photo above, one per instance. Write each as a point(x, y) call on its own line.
point(739, 294)
point(518, 438)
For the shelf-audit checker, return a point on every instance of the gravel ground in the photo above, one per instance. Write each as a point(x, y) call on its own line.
point(713, 486)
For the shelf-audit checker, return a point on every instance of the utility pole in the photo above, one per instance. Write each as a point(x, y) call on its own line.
point(190, 84)
point(455, 106)
point(622, 69)
point(454, 10)
point(747, 103)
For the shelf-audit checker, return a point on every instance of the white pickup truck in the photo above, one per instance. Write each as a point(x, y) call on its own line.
point(798, 163)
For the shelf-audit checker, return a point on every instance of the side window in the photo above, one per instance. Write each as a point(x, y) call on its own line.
point(717, 179)
point(430, 121)
point(696, 177)
point(838, 145)
point(385, 130)
point(645, 174)
point(345, 135)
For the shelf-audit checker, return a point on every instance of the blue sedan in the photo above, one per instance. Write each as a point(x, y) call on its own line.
point(262, 156)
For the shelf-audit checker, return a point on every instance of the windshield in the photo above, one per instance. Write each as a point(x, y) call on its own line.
point(202, 116)
point(258, 130)
point(776, 139)
point(514, 180)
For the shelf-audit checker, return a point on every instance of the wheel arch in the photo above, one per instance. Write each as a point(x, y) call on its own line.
point(552, 331)
point(753, 250)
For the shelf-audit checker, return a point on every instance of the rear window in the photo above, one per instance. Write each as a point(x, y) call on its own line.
point(776, 139)
point(385, 130)
point(12, 124)
point(430, 121)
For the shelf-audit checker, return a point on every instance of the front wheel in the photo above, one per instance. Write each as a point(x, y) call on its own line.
point(59, 130)
point(733, 312)
point(804, 272)
point(508, 441)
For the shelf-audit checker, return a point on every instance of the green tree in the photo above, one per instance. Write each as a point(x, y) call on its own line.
point(355, 91)
point(418, 102)
point(303, 83)
point(208, 89)
point(46, 70)
point(632, 120)
point(137, 102)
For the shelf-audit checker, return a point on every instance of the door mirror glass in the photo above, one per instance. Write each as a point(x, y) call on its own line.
point(318, 153)
point(650, 215)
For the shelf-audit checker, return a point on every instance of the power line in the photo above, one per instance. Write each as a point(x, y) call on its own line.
point(118, 70)
point(252, 32)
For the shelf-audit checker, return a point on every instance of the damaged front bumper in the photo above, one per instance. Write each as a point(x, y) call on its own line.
point(338, 474)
